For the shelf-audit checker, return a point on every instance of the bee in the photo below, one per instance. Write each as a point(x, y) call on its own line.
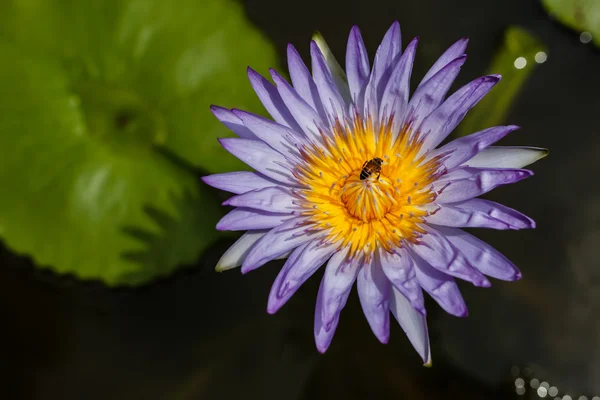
point(370, 167)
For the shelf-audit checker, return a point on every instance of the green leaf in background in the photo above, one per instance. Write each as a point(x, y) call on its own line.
point(581, 15)
point(104, 118)
point(514, 60)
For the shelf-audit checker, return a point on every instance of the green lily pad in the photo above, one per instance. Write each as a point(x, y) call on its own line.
point(515, 60)
point(581, 15)
point(105, 127)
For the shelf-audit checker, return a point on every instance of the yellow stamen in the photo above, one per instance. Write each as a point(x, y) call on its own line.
point(374, 212)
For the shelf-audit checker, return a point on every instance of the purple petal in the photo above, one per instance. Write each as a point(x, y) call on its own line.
point(479, 182)
point(466, 147)
point(439, 253)
point(373, 292)
point(453, 52)
point(232, 122)
point(303, 81)
point(507, 157)
point(430, 94)
point(442, 288)
point(481, 255)
point(394, 101)
point(337, 73)
point(400, 270)
point(269, 96)
point(234, 256)
point(239, 181)
point(305, 114)
point(338, 279)
point(479, 213)
point(277, 241)
point(261, 157)
point(438, 125)
point(412, 322)
point(303, 262)
point(357, 63)
point(273, 199)
point(388, 52)
point(242, 219)
point(323, 332)
point(277, 136)
point(330, 96)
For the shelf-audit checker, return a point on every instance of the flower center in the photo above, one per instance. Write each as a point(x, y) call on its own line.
point(369, 199)
point(367, 205)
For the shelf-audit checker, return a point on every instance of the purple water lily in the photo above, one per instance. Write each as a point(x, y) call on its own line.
point(349, 174)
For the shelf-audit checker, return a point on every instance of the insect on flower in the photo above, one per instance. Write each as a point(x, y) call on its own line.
point(370, 167)
point(312, 199)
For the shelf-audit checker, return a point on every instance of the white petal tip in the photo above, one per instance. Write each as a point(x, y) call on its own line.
point(221, 268)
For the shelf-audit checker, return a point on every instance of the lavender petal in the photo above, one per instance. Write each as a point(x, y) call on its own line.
point(453, 52)
point(306, 116)
point(273, 199)
point(338, 279)
point(430, 94)
point(330, 95)
point(277, 136)
point(270, 98)
point(239, 182)
point(442, 288)
point(479, 213)
point(302, 80)
point(399, 268)
point(277, 241)
point(481, 255)
point(323, 331)
point(357, 63)
point(412, 322)
point(262, 158)
point(388, 53)
point(232, 122)
point(337, 73)
point(302, 263)
point(373, 292)
point(467, 147)
point(438, 125)
point(439, 253)
point(394, 100)
point(243, 219)
point(479, 182)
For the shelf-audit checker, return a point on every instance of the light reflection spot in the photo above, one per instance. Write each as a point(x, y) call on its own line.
point(540, 57)
point(520, 63)
point(519, 382)
point(542, 391)
point(585, 37)
point(553, 391)
point(534, 383)
point(520, 391)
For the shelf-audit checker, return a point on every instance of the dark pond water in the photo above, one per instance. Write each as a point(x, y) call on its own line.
point(204, 335)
